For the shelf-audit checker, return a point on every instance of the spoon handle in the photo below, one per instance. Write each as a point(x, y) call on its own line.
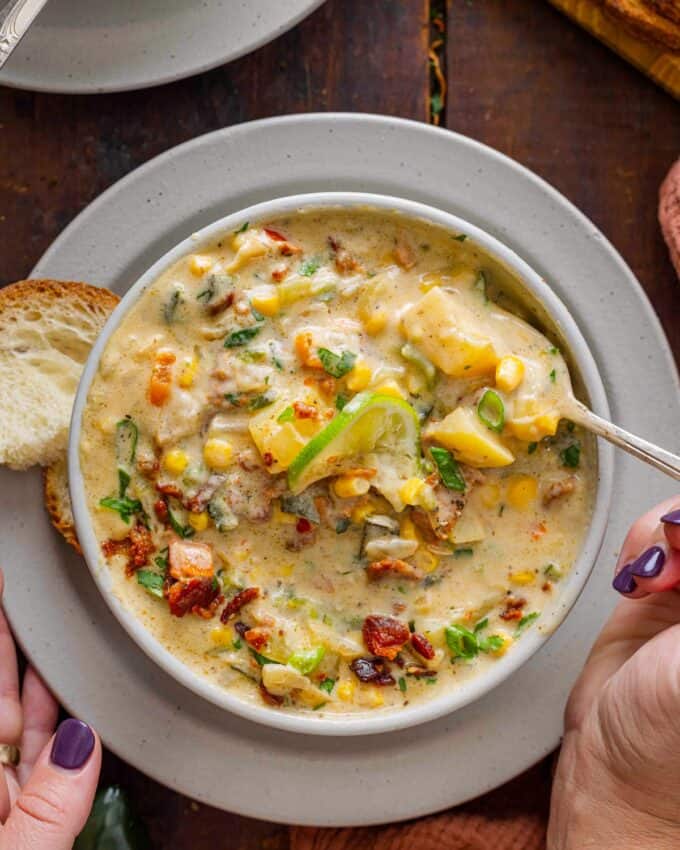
point(15, 18)
point(642, 449)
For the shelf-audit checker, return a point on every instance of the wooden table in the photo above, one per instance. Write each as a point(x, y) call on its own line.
point(521, 78)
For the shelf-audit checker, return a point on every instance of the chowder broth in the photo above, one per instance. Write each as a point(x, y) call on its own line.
point(326, 462)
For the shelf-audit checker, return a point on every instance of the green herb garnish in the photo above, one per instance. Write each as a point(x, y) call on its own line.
point(233, 399)
point(342, 525)
point(306, 661)
point(171, 305)
point(449, 470)
point(553, 572)
point(287, 415)
point(491, 411)
point(463, 552)
point(262, 400)
point(242, 228)
point(402, 684)
point(309, 267)
point(327, 685)
point(183, 531)
point(261, 659)
point(526, 621)
point(340, 401)
point(336, 365)
point(206, 295)
point(237, 643)
point(531, 448)
point(242, 337)
point(460, 238)
point(571, 456)
point(151, 582)
point(481, 286)
point(553, 376)
point(467, 644)
point(126, 507)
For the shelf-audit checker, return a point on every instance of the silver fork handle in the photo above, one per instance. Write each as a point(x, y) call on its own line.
point(15, 18)
point(654, 455)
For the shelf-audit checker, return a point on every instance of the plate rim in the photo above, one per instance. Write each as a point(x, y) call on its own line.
point(20, 82)
point(279, 812)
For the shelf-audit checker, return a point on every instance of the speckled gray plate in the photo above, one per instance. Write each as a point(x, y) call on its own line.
point(173, 735)
point(90, 46)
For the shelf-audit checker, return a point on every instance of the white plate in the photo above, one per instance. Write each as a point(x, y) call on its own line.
point(90, 46)
point(189, 744)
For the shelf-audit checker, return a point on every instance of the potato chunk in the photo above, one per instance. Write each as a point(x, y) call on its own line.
point(470, 440)
point(443, 329)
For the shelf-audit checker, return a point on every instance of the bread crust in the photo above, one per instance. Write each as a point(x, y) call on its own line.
point(15, 294)
point(641, 19)
point(668, 8)
point(55, 486)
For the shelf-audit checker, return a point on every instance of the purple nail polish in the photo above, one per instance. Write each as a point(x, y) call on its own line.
point(624, 581)
point(73, 744)
point(672, 518)
point(649, 564)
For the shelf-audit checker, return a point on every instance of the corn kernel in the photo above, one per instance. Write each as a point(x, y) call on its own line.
point(523, 578)
point(359, 378)
point(507, 643)
point(286, 570)
point(411, 491)
point(521, 491)
point(391, 388)
point(217, 453)
point(375, 323)
point(199, 522)
point(361, 512)
point(347, 486)
point(345, 691)
point(407, 529)
point(221, 635)
point(266, 300)
point(199, 264)
point(175, 461)
point(426, 561)
point(509, 373)
point(374, 697)
point(188, 372)
point(490, 495)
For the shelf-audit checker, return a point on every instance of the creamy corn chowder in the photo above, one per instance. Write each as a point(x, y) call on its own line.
point(326, 461)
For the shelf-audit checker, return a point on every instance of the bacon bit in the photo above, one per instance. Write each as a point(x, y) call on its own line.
point(200, 596)
point(161, 510)
point(268, 459)
point(257, 637)
point(304, 343)
point(538, 530)
point(513, 608)
point(418, 671)
point(241, 628)
point(398, 607)
point(384, 636)
point(279, 273)
point(214, 309)
point(305, 411)
point(161, 377)
point(115, 547)
point(169, 490)
point(393, 565)
point(148, 467)
point(188, 559)
point(422, 646)
point(141, 546)
point(286, 248)
point(327, 386)
point(546, 587)
point(344, 260)
point(274, 235)
point(559, 489)
point(237, 602)
point(269, 697)
point(404, 254)
point(303, 525)
point(373, 670)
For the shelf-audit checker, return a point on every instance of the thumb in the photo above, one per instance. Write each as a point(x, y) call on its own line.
point(56, 801)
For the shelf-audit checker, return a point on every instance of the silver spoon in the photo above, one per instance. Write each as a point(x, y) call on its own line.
point(15, 19)
point(642, 449)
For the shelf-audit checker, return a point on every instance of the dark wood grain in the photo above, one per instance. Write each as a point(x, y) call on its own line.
point(521, 78)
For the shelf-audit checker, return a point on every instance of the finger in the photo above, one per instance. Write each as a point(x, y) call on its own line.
point(671, 525)
point(4, 797)
point(40, 718)
point(632, 624)
point(55, 802)
point(10, 704)
point(644, 565)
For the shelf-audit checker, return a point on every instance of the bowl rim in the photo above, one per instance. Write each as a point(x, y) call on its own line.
point(477, 686)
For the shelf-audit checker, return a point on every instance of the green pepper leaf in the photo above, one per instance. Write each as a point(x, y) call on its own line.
point(449, 470)
point(336, 365)
point(242, 337)
point(491, 411)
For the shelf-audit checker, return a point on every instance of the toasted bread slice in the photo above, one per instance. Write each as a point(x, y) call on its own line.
point(58, 501)
point(640, 18)
point(47, 328)
point(668, 8)
point(669, 213)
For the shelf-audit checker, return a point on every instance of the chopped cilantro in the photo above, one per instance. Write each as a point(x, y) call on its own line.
point(463, 552)
point(171, 305)
point(242, 337)
point(481, 286)
point(206, 295)
point(262, 400)
point(527, 620)
point(402, 684)
point(336, 365)
point(309, 267)
point(327, 685)
point(531, 448)
point(460, 238)
point(553, 572)
point(151, 582)
point(553, 376)
point(125, 507)
point(571, 456)
point(467, 644)
point(237, 644)
point(412, 626)
point(340, 401)
point(242, 228)
point(233, 398)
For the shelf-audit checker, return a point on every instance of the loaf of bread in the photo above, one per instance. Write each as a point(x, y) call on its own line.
point(649, 20)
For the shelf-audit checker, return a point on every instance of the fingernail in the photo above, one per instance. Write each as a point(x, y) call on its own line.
point(649, 564)
point(672, 518)
point(73, 744)
point(624, 581)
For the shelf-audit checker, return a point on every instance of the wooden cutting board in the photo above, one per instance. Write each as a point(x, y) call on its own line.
point(657, 61)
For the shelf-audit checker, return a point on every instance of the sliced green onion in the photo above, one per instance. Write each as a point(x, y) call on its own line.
point(306, 661)
point(491, 411)
point(448, 469)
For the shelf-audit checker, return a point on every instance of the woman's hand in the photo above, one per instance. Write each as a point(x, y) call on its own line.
point(617, 783)
point(46, 798)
